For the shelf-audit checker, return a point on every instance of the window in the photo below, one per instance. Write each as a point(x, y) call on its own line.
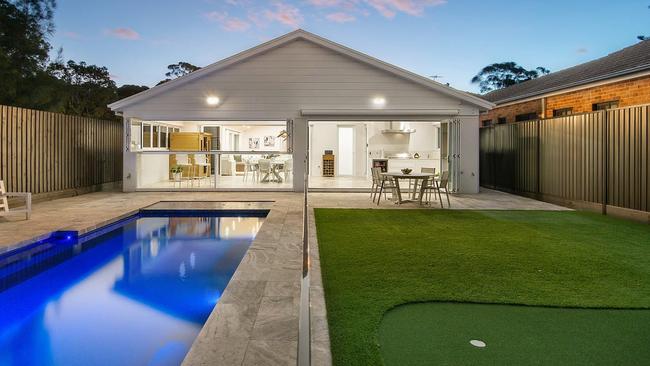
point(146, 135)
point(156, 136)
point(562, 112)
point(526, 117)
point(501, 120)
point(604, 105)
point(164, 136)
point(136, 135)
point(487, 123)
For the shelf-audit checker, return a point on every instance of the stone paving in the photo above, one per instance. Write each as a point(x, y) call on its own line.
point(256, 319)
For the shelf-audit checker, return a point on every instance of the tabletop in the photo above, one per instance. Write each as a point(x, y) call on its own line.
point(410, 175)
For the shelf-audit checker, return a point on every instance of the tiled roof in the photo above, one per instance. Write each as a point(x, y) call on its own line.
point(629, 60)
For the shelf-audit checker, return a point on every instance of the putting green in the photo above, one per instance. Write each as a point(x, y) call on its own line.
point(436, 333)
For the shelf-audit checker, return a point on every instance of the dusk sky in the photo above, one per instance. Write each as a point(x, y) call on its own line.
point(454, 39)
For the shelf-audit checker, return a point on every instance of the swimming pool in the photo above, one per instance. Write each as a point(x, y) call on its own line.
point(136, 293)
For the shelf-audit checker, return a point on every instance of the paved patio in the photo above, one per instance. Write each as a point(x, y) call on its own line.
point(256, 320)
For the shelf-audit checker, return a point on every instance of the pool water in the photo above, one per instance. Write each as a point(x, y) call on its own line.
point(136, 295)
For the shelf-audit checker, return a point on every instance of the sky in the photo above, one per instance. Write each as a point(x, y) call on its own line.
point(449, 39)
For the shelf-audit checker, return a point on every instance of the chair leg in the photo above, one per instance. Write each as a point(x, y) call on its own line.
point(380, 190)
point(440, 197)
point(448, 201)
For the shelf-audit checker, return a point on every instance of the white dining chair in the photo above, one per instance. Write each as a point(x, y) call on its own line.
point(265, 170)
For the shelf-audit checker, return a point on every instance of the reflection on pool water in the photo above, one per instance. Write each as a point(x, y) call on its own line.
point(137, 295)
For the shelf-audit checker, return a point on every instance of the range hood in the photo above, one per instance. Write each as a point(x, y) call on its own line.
point(396, 127)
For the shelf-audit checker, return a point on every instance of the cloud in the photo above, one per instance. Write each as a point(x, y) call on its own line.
point(228, 23)
point(340, 17)
point(389, 8)
point(72, 35)
point(582, 50)
point(285, 14)
point(123, 33)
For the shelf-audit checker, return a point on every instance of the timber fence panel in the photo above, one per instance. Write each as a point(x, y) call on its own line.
point(43, 152)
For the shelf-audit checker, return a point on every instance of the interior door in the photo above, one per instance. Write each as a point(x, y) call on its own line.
point(346, 153)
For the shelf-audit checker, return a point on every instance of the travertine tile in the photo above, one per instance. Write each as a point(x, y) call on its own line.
point(271, 353)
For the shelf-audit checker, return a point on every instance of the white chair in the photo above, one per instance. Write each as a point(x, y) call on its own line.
point(202, 163)
point(228, 165)
point(287, 169)
point(250, 168)
point(266, 169)
point(183, 160)
point(437, 188)
point(4, 203)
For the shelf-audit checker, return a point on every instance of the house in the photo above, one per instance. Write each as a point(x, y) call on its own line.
point(253, 120)
point(619, 79)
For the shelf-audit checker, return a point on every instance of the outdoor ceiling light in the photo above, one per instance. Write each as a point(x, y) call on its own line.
point(379, 101)
point(212, 100)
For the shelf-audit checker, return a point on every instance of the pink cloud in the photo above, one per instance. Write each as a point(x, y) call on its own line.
point(231, 24)
point(389, 8)
point(123, 33)
point(72, 35)
point(286, 14)
point(340, 17)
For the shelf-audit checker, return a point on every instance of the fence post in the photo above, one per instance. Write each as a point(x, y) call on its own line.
point(605, 183)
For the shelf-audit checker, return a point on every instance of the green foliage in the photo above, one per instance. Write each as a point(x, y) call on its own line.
point(128, 90)
point(177, 70)
point(87, 90)
point(374, 260)
point(23, 53)
point(504, 74)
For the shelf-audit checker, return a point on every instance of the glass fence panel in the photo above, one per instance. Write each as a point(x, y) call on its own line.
point(254, 171)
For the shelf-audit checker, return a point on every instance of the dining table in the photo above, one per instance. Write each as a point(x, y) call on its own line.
point(397, 176)
point(274, 173)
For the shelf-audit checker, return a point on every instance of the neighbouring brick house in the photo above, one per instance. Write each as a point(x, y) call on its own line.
point(619, 79)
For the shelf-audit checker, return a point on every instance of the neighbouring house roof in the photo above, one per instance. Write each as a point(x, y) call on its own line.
point(303, 35)
point(629, 60)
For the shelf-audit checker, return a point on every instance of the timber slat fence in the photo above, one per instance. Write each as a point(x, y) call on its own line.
point(43, 152)
point(600, 158)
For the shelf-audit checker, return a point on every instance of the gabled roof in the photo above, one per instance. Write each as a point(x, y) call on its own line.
point(303, 35)
point(629, 60)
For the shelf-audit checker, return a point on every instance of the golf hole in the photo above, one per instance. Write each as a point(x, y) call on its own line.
point(477, 343)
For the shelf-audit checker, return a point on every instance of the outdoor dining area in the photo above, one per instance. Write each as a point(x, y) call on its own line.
point(422, 188)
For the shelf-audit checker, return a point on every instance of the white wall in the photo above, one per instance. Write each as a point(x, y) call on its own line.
point(260, 132)
point(324, 136)
point(152, 168)
point(280, 83)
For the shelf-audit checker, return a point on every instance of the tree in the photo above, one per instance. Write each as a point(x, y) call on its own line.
point(23, 46)
point(177, 70)
point(504, 74)
point(87, 89)
point(128, 90)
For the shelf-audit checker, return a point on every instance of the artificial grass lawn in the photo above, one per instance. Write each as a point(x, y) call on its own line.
point(435, 333)
point(374, 260)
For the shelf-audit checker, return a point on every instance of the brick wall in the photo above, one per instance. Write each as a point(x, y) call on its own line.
point(509, 112)
point(627, 93)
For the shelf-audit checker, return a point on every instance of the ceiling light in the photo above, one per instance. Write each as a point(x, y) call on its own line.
point(379, 101)
point(212, 100)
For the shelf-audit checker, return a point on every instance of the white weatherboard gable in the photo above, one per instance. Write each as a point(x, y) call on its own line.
point(298, 70)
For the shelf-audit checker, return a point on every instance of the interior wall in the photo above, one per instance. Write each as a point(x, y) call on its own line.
point(260, 132)
point(153, 168)
point(324, 136)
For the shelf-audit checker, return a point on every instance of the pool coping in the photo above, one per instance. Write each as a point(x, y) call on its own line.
point(256, 319)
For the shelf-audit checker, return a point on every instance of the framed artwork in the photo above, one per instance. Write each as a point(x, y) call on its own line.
point(254, 143)
point(269, 140)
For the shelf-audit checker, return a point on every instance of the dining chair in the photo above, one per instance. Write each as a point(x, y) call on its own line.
point(385, 183)
point(444, 184)
point(266, 169)
point(287, 169)
point(376, 182)
point(430, 182)
point(250, 168)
